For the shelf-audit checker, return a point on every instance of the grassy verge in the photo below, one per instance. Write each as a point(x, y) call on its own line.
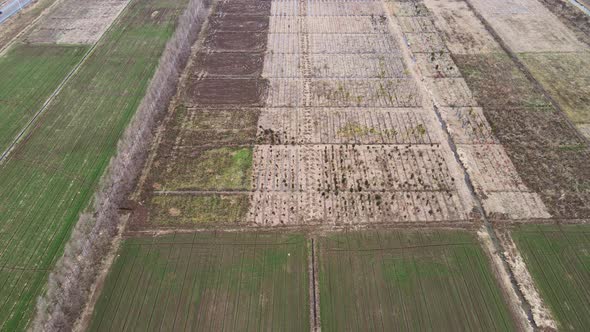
point(52, 174)
point(207, 282)
point(412, 280)
point(558, 258)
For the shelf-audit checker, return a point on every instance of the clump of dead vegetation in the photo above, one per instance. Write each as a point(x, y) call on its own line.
point(74, 274)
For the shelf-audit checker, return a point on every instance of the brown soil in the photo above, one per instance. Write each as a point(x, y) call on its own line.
point(75, 22)
point(236, 41)
point(231, 64)
point(209, 91)
point(245, 7)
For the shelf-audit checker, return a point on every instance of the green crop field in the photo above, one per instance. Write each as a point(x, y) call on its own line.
point(558, 258)
point(30, 73)
point(51, 175)
point(207, 282)
point(408, 281)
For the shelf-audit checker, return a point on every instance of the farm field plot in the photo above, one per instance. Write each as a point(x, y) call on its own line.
point(558, 258)
point(408, 280)
point(207, 282)
point(30, 73)
point(202, 169)
point(74, 22)
point(51, 175)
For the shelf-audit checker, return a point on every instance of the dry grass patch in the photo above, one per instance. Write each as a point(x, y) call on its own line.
point(566, 76)
point(197, 210)
point(496, 82)
point(224, 168)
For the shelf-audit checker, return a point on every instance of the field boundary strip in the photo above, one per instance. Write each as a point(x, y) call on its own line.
point(59, 88)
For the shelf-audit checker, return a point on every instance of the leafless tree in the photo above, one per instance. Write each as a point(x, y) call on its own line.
point(74, 274)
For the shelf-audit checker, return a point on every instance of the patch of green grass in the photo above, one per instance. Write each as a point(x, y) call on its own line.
point(408, 281)
point(207, 282)
point(52, 174)
point(228, 168)
point(30, 74)
point(200, 210)
point(558, 258)
point(566, 76)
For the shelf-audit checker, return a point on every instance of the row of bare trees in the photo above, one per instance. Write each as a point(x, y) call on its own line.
point(70, 282)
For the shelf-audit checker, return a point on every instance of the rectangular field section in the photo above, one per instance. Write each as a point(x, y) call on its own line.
point(558, 258)
point(207, 282)
point(408, 281)
point(30, 73)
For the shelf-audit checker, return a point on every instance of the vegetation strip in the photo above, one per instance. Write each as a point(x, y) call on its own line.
point(95, 231)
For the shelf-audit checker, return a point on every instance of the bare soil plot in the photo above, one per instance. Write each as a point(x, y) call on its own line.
point(410, 280)
point(572, 17)
point(468, 125)
point(527, 26)
point(461, 29)
point(207, 282)
point(237, 22)
point(558, 258)
point(230, 64)
point(75, 22)
point(402, 208)
point(436, 65)
point(566, 76)
point(230, 91)
point(30, 73)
